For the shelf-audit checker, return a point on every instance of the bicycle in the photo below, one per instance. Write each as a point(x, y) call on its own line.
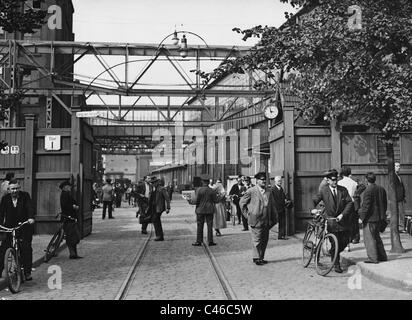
point(56, 240)
point(319, 242)
point(15, 274)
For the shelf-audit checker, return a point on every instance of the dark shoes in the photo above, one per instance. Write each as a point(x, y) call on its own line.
point(244, 229)
point(28, 277)
point(75, 257)
point(218, 234)
point(144, 232)
point(111, 217)
point(197, 244)
point(338, 269)
point(212, 244)
point(259, 262)
point(369, 261)
point(159, 239)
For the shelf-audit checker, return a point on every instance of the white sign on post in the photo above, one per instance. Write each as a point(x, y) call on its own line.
point(15, 150)
point(52, 143)
point(89, 114)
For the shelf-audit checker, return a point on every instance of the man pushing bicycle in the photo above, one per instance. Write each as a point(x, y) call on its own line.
point(17, 207)
point(339, 205)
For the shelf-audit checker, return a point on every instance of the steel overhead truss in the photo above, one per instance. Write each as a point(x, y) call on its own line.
point(55, 81)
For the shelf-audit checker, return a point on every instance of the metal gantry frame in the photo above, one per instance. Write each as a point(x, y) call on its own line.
point(16, 55)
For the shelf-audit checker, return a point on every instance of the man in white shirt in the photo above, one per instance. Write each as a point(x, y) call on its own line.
point(351, 186)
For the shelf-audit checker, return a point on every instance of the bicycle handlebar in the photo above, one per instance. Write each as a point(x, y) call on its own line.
point(64, 216)
point(5, 229)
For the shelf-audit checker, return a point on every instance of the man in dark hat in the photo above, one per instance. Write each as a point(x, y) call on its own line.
point(258, 205)
point(69, 218)
point(158, 203)
point(338, 204)
point(17, 207)
point(107, 199)
point(205, 208)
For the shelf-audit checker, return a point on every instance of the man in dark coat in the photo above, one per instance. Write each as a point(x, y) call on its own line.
point(205, 208)
point(144, 190)
point(158, 203)
point(70, 209)
point(16, 207)
point(257, 205)
point(400, 198)
point(338, 204)
point(280, 206)
point(373, 214)
point(237, 191)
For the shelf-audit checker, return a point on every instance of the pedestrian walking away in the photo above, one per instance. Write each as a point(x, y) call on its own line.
point(107, 199)
point(206, 198)
point(400, 198)
point(258, 206)
point(219, 219)
point(70, 209)
point(373, 216)
point(158, 203)
point(338, 204)
point(17, 207)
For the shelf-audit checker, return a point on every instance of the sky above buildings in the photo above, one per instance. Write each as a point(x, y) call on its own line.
point(150, 21)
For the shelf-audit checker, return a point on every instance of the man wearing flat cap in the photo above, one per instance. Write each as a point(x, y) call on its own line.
point(69, 218)
point(338, 204)
point(158, 203)
point(257, 205)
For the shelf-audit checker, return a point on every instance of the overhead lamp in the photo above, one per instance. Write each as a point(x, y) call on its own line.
point(183, 47)
point(175, 38)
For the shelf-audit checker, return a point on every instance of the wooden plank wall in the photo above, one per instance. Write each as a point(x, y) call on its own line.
point(50, 169)
point(312, 157)
point(13, 162)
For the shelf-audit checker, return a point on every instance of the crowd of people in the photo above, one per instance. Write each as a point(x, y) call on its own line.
point(257, 207)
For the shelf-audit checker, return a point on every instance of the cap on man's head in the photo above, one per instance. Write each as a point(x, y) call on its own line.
point(205, 177)
point(64, 183)
point(332, 173)
point(260, 176)
point(108, 180)
point(154, 179)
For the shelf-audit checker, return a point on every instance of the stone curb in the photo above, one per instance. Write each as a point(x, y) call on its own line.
point(372, 274)
point(36, 263)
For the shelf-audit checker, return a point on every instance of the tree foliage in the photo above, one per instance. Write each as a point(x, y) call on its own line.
point(341, 73)
point(342, 66)
point(15, 15)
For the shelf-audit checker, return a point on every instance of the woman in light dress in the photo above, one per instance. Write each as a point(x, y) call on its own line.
point(219, 219)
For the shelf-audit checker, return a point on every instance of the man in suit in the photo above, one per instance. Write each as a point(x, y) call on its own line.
point(257, 205)
point(206, 198)
point(144, 190)
point(373, 214)
point(400, 197)
point(70, 209)
point(16, 207)
point(107, 199)
point(237, 192)
point(338, 204)
point(158, 203)
point(280, 206)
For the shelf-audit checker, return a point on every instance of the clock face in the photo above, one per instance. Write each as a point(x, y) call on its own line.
point(271, 112)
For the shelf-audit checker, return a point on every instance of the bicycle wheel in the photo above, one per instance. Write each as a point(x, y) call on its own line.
point(53, 245)
point(308, 243)
point(13, 272)
point(326, 254)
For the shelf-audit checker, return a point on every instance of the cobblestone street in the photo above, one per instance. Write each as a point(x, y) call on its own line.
point(174, 269)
